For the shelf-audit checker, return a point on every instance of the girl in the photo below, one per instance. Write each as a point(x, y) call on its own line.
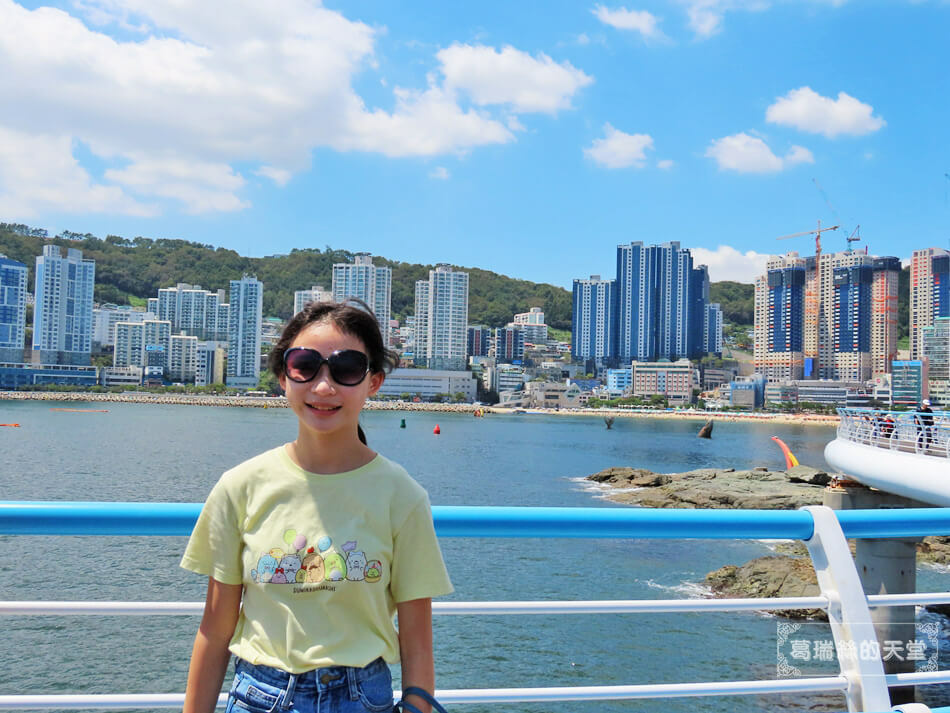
point(312, 547)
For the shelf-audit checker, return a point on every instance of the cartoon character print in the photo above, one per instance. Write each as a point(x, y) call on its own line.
point(299, 564)
point(266, 567)
point(290, 564)
point(355, 566)
point(335, 566)
point(374, 571)
point(312, 567)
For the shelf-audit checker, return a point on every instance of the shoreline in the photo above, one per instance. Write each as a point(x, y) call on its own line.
point(281, 402)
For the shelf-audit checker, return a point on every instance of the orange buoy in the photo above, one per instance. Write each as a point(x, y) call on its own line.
point(437, 430)
point(12, 425)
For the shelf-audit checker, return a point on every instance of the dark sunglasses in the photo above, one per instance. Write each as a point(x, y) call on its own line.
point(348, 367)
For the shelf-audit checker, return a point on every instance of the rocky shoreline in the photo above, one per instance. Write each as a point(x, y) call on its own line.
point(788, 572)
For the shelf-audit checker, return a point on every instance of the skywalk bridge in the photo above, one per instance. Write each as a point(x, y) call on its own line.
point(901, 452)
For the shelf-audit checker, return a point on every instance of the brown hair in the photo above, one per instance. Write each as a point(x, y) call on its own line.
point(352, 316)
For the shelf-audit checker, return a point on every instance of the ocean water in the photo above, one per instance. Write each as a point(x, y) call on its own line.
point(176, 453)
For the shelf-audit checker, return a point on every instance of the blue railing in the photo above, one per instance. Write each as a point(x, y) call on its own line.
point(862, 682)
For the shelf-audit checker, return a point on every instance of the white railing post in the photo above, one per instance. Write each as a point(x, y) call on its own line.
point(848, 613)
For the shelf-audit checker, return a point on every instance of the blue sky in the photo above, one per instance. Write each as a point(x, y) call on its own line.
point(528, 137)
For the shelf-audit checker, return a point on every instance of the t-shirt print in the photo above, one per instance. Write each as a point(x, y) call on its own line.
point(296, 561)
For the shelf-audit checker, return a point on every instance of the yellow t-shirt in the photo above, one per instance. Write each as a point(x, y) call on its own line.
point(324, 559)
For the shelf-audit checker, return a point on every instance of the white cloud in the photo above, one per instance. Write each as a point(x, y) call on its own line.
point(727, 263)
point(440, 172)
point(279, 176)
point(666, 164)
point(199, 92)
point(799, 154)
point(511, 77)
point(806, 110)
point(201, 187)
point(706, 16)
point(640, 21)
point(750, 154)
point(39, 173)
point(620, 150)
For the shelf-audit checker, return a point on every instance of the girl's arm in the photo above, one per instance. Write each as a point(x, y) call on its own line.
point(209, 656)
point(415, 647)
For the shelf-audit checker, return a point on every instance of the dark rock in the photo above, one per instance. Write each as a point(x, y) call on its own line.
point(772, 576)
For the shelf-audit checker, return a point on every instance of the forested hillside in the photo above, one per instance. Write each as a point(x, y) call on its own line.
point(138, 267)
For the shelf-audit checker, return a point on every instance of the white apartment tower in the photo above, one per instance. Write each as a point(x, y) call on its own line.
point(442, 319)
point(193, 310)
point(368, 282)
point(12, 309)
point(244, 332)
point(143, 344)
point(182, 358)
point(315, 294)
point(62, 314)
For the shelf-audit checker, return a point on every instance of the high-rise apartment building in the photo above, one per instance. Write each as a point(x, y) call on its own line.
point(937, 354)
point(194, 311)
point(315, 294)
point(929, 293)
point(509, 343)
point(244, 332)
point(370, 283)
point(182, 358)
point(145, 344)
point(712, 328)
point(105, 318)
point(780, 318)
point(851, 327)
point(887, 272)
point(442, 319)
point(828, 319)
point(62, 313)
point(479, 338)
point(12, 309)
point(660, 302)
point(594, 321)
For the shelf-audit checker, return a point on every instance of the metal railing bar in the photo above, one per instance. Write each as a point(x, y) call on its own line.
point(475, 695)
point(917, 598)
point(918, 678)
point(103, 518)
point(632, 606)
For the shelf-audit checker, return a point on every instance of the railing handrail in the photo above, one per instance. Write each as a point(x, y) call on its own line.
point(822, 530)
point(169, 519)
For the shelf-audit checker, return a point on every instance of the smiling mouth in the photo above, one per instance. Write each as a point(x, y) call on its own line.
point(324, 409)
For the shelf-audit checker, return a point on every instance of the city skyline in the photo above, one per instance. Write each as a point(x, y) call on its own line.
point(509, 142)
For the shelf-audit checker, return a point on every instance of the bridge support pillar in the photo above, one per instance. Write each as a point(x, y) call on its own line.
point(886, 566)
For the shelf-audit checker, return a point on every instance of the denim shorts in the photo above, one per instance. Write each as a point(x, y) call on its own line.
point(336, 689)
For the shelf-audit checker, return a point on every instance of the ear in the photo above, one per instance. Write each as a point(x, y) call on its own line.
point(282, 380)
point(376, 379)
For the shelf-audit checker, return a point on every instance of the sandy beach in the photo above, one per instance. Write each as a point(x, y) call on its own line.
point(281, 402)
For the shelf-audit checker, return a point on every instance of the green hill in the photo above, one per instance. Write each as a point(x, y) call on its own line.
point(138, 267)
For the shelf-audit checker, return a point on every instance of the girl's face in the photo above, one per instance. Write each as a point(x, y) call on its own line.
point(323, 406)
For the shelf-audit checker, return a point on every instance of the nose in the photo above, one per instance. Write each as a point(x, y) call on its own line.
point(322, 379)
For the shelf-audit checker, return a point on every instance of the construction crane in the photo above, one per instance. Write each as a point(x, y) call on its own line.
point(854, 237)
point(817, 233)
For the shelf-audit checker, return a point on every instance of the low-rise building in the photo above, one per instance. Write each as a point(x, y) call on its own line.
point(426, 383)
point(17, 375)
point(909, 382)
point(122, 376)
point(674, 380)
